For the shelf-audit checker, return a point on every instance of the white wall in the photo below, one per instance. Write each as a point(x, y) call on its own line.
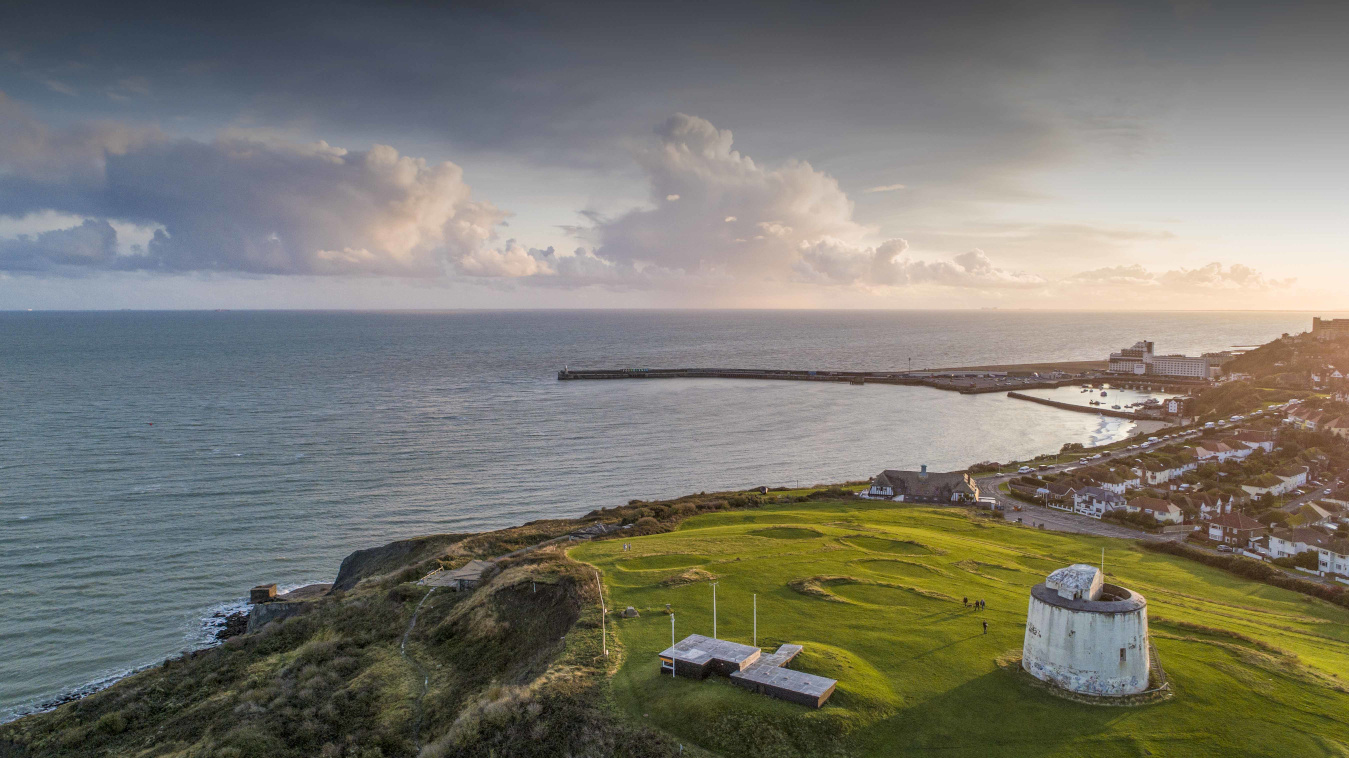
point(1080, 651)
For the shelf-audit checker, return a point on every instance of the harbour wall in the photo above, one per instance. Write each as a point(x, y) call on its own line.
point(951, 381)
point(1084, 408)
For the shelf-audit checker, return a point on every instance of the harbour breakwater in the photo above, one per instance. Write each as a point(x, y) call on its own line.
point(967, 383)
point(1085, 409)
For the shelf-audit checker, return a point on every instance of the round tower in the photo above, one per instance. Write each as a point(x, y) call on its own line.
point(1087, 636)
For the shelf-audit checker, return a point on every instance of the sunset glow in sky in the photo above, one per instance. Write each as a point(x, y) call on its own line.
point(1131, 155)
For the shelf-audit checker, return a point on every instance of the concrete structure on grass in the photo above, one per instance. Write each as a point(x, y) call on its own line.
point(466, 577)
point(1087, 636)
point(696, 656)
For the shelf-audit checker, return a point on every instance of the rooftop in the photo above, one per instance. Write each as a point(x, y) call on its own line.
point(698, 649)
point(1113, 599)
point(788, 679)
point(1078, 581)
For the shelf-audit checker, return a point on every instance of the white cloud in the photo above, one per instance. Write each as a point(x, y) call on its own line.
point(888, 266)
point(61, 87)
point(252, 205)
point(1213, 276)
point(885, 188)
point(735, 217)
point(112, 197)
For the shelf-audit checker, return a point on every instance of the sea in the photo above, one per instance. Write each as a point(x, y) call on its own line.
point(155, 465)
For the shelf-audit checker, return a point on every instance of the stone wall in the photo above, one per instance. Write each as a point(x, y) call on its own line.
point(263, 614)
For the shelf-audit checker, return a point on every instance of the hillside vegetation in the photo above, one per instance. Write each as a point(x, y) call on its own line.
point(874, 592)
point(512, 669)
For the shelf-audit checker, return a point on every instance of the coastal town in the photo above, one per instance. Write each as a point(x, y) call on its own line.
point(1269, 483)
point(1142, 574)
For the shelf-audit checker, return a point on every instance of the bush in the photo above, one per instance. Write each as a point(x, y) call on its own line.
point(111, 723)
point(1306, 559)
point(832, 493)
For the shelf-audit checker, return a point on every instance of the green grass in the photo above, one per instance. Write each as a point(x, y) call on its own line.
point(875, 597)
point(786, 533)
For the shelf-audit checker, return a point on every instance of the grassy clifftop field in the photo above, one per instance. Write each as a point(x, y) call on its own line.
point(874, 593)
point(381, 668)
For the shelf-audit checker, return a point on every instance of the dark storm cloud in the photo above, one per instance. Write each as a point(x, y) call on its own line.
point(168, 115)
point(559, 80)
point(92, 244)
point(965, 82)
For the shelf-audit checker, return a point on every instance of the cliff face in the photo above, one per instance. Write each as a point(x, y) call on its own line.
point(375, 561)
point(513, 668)
point(382, 667)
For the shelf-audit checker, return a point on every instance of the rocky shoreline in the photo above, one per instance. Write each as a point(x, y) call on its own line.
point(234, 624)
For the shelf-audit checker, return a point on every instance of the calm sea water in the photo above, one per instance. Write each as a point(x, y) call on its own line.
point(153, 466)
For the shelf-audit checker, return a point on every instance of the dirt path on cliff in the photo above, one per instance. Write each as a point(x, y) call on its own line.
point(426, 678)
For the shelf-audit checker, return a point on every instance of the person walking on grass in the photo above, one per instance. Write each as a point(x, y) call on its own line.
point(966, 601)
point(985, 627)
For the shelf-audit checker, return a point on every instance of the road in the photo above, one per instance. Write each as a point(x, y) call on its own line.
point(1063, 521)
point(1313, 493)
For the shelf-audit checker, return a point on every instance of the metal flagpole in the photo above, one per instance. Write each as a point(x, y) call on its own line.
point(672, 644)
point(714, 610)
point(604, 642)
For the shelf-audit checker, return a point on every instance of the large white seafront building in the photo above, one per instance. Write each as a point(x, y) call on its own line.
point(1142, 360)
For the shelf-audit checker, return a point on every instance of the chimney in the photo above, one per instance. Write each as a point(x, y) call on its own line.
point(922, 471)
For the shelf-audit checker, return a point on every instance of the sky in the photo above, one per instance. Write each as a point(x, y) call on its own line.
point(1133, 155)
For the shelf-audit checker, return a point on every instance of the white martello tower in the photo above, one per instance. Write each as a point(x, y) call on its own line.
point(1087, 636)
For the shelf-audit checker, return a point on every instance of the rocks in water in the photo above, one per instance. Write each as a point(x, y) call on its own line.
point(235, 625)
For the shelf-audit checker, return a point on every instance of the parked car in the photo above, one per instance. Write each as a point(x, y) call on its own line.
point(1024, 470)
point(1224, 548)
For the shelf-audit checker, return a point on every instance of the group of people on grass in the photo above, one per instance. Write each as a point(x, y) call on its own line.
point(978, 605)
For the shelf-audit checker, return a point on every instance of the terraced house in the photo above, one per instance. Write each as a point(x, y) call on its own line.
point(1276, 483)
point(1286, 543)
point(1219, 451)
point(1316, 419)
point(1236, 529)
point(1157, 472)
point(1334, 558)
point(1255, 440)
point(1095, 501)
point(1207, 505)
point(1164, 511)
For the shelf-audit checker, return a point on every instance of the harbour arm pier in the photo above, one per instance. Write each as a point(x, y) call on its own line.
point(964, 381)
